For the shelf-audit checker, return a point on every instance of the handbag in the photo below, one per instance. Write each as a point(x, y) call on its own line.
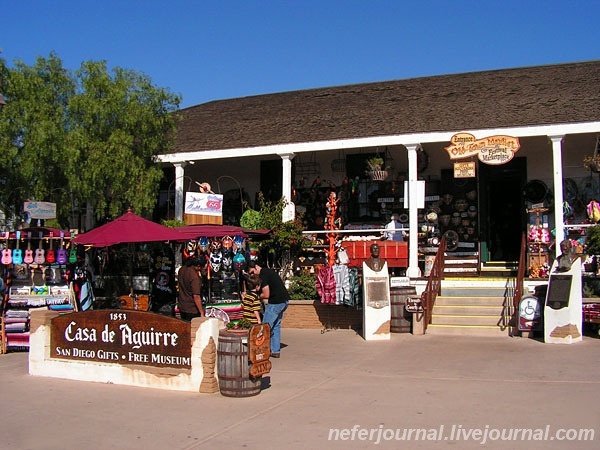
point(342, 256)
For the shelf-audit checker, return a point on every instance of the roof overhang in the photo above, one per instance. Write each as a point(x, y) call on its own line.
point(378, 141)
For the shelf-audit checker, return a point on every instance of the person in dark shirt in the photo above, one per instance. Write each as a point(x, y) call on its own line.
point(278, 298)
point(190, 287)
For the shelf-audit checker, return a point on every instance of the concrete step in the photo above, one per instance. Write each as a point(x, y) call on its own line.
point(461, 261)
point(473, 307)
point(466, 291)
point(467, 320)
point(468, 330)
point(443, 300)
point(473, 310)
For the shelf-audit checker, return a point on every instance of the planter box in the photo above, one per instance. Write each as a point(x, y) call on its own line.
point(394, 252)
point(311, 314)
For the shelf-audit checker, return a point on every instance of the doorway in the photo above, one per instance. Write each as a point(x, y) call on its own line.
point(502, 209)
point(271, 180)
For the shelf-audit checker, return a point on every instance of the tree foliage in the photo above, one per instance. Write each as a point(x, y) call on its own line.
point(84, 137)
point(286, 238)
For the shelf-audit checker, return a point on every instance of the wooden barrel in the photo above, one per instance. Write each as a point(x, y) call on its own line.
point(233, 365)
point(401, 320)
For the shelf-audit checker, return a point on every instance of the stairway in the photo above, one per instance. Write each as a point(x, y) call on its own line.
point(461, 264)
point(473, 307)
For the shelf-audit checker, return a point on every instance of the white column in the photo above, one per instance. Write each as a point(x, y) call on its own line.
point(559, 225)
point(413, 270)
point(179, 189)
point(289, 212)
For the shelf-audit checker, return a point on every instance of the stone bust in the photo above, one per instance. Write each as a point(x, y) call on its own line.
point(374, 262)
point(567, 256)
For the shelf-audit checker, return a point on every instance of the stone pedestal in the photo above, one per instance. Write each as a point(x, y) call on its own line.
point(377, 312)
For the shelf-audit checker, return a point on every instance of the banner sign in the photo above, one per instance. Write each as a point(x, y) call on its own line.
point(40, 210)
point(203, 204)
point(122, 337)
point(493, 150)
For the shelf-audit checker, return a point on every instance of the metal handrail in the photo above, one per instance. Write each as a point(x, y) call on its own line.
point(519, 286)
point(434, 284)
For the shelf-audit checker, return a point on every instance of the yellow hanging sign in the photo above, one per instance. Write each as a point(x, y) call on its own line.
point(493, 150)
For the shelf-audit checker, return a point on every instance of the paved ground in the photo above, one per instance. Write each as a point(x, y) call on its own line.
point(323, 381)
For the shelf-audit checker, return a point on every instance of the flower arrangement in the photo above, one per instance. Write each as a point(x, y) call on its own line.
point(375, 163)
point(592, 163)
point(376, 171)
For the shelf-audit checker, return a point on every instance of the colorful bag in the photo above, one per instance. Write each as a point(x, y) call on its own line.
point(593, 211)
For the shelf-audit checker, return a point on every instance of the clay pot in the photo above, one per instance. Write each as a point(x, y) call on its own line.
point(447, 199)
point(461, 205)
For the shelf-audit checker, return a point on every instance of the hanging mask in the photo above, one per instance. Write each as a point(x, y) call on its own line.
point(227, 243)
point(239, 262)
point(227, 261)
point(215, 260)
point(203, 243)
point(238, 242)
point(253, 253)
point(190, 249)
point(215, 245)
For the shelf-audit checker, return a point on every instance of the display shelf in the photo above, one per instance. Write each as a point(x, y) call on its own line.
point(538, 243)
point(21, 299)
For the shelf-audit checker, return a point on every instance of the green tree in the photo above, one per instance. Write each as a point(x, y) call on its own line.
point(83, 137)
point(286, 238)
point(33, 129)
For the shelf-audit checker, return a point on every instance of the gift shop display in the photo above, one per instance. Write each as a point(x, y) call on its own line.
point(28, 282)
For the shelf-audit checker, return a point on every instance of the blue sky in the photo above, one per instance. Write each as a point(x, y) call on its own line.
point(211, 50)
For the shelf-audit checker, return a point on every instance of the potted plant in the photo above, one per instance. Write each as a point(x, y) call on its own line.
point(592, 163)
point(592, 244)
point(242, 325)
point(375, 168)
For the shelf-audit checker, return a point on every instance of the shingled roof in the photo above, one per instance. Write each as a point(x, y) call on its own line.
point(542, 95)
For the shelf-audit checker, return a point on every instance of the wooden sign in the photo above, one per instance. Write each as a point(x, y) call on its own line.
point(413, 305)
point(464, 169)
point(122, 337)
point(259, 348)
point(493, 150)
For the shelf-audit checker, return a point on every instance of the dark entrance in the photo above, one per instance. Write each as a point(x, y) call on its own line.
point(271, 179)
point(502, 209)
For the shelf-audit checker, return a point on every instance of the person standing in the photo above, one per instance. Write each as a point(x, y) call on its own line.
point(394, 234)
point(190, 287)
point(251, 300)
point(278, 298)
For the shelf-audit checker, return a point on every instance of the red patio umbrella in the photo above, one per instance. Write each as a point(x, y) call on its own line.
point(128, 228)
